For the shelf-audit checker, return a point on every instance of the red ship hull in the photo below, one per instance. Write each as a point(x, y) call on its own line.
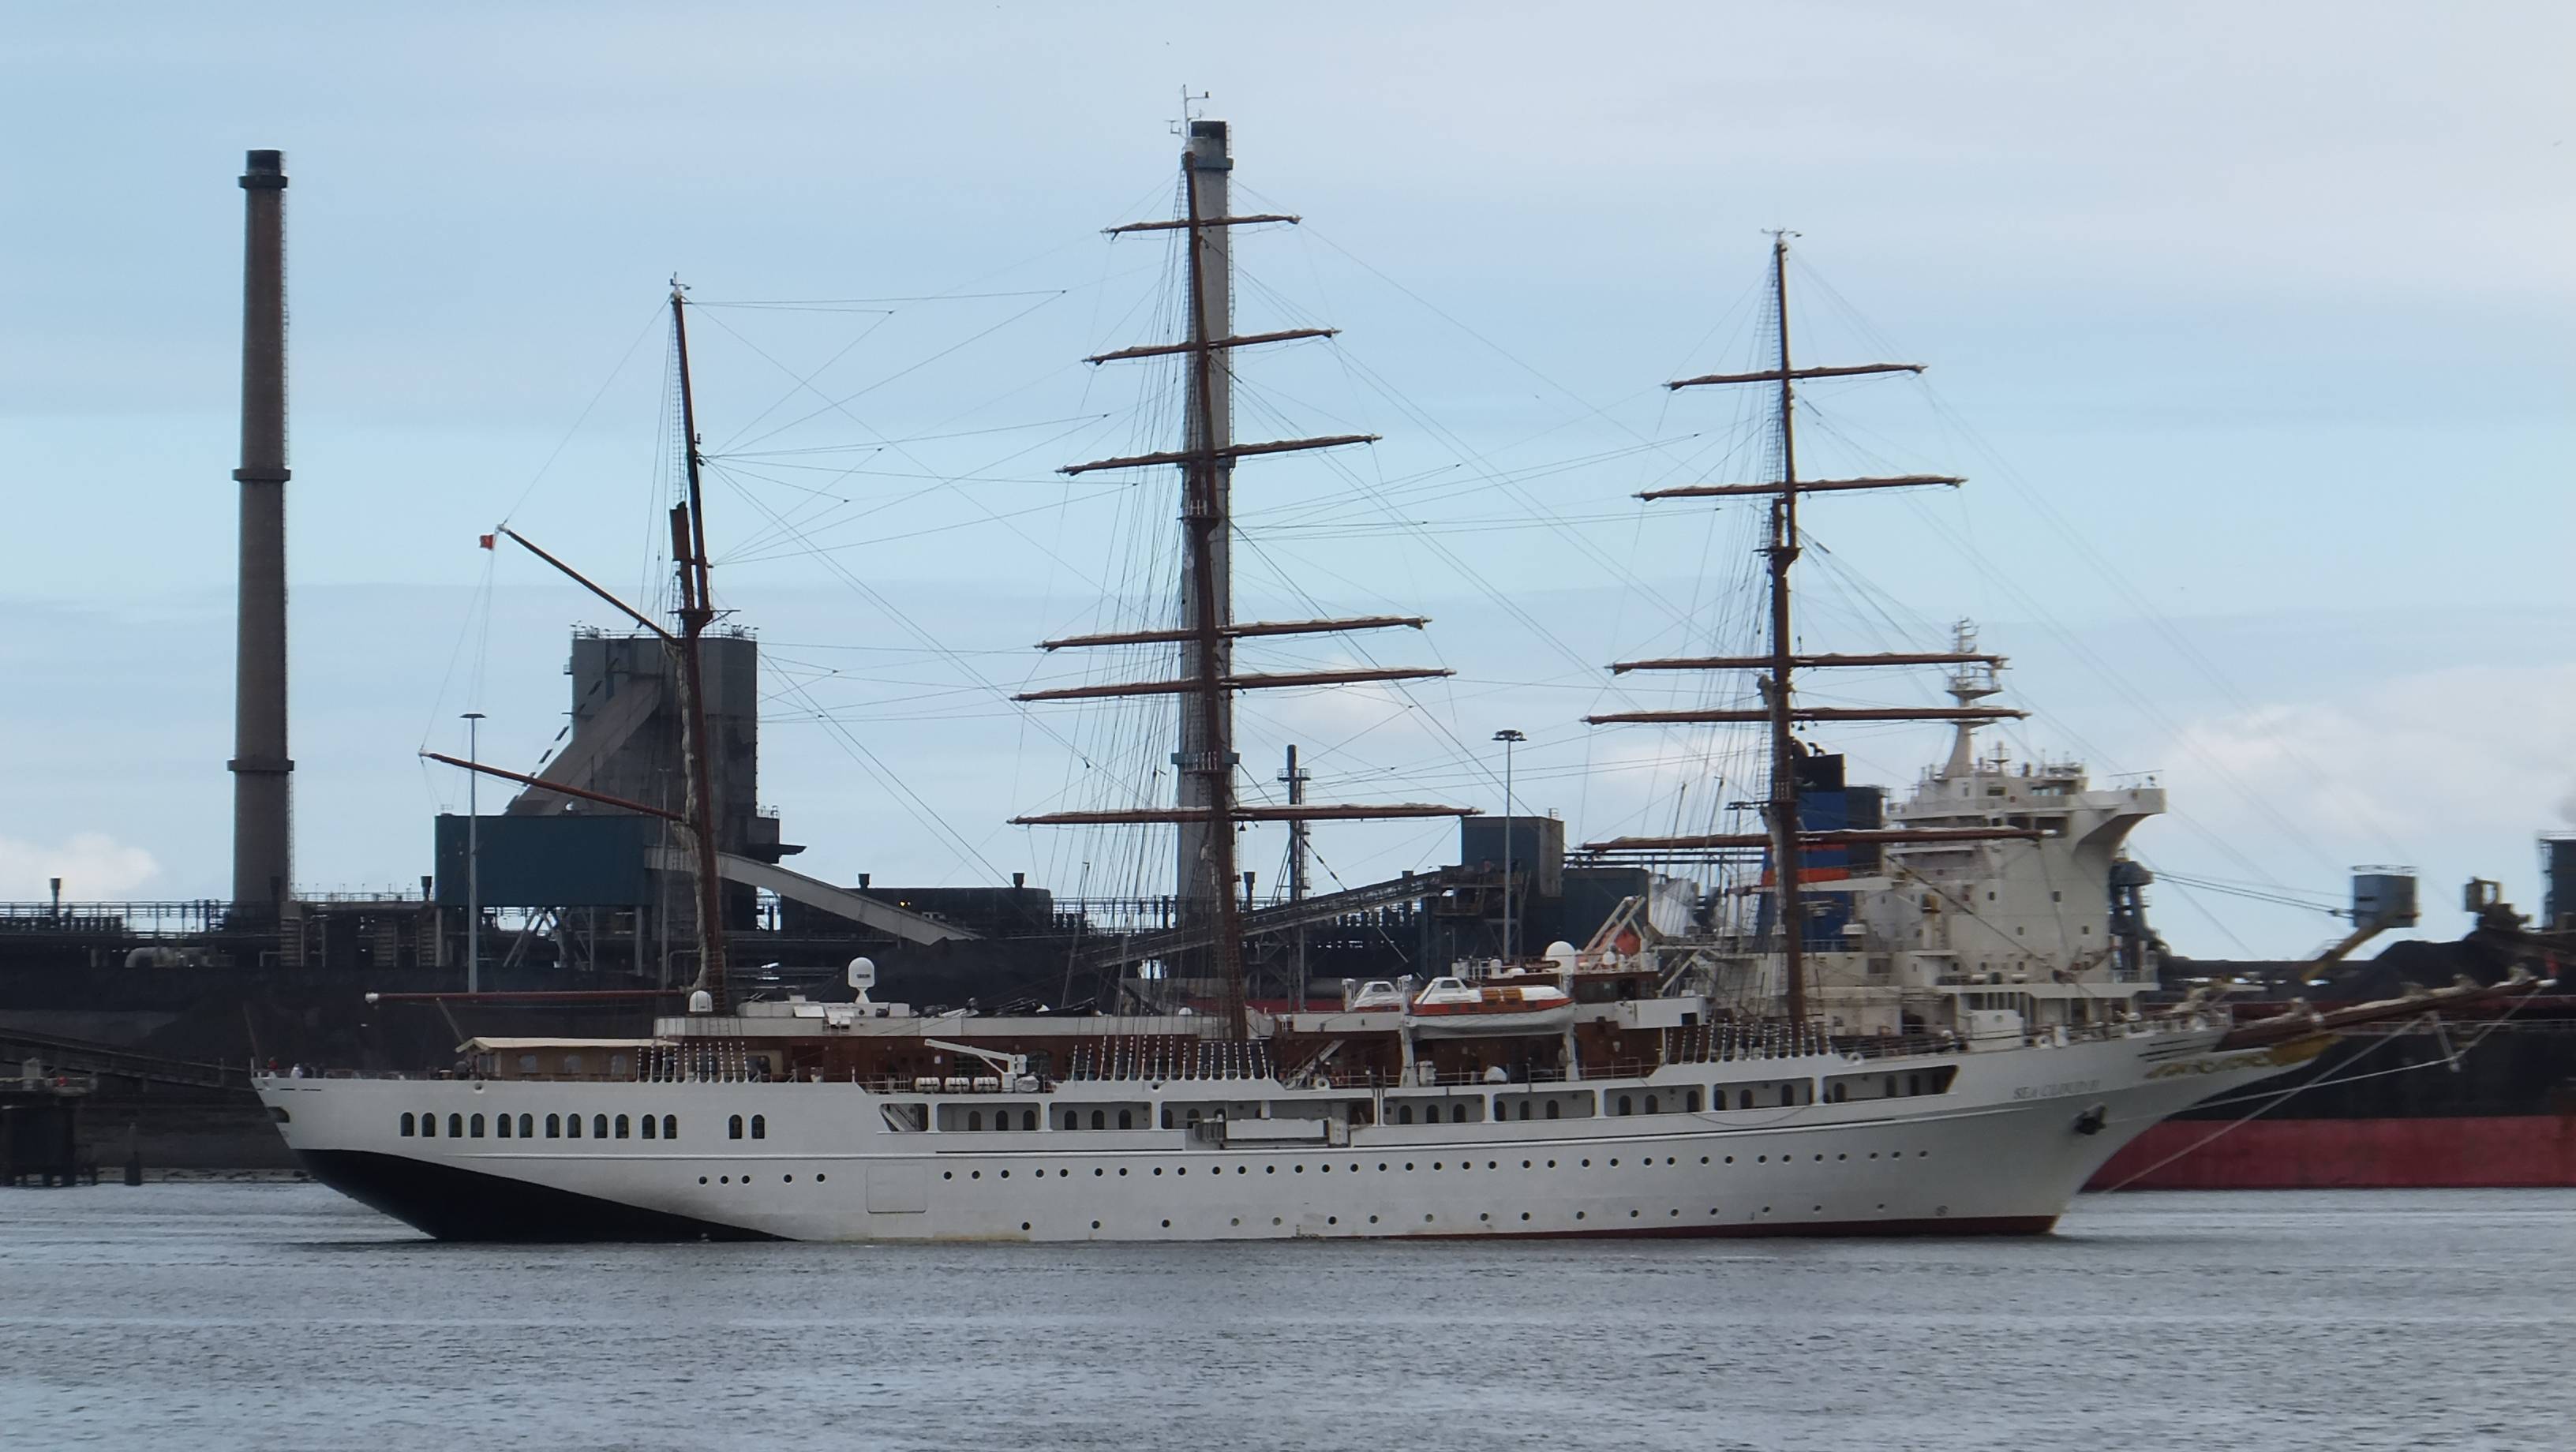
point(2518, 1150)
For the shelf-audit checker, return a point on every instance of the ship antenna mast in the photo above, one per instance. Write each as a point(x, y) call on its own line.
point(696, 612)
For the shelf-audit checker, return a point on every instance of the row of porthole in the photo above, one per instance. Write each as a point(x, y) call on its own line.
point(558, 1126)
point(1482, 1217)
point(1384, 1165)
point(746, 1179)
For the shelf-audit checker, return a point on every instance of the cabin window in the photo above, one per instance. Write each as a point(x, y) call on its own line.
point(1744, 1099)
point(1001, 1119)
point(617, 1066)
point(1074, 1121)
point(1457, 1114)
point(599, 1126)
point(670, 1126)
point(527, 1126)
point(474, 1127)
point(1690, 1100)
point(572, 1063)
point(648, 1126)
point(1100, 1120)
point(1524, 1109)
point(572, 1126)
point(1551, 1109)
point(1626, 1106)
point(1028, 1119)
point(501, 1125)
point(974, 1120)
point(1126, 1119)
point(1167, 1116)
point(429, 1126)
point(554, 1126)
point(1404, 1114)
point(733, 1127)
point(456, 1126)
point(1654, 1105)
point(621, 1126)
point(407, 1129)
point(760, 1126)
point(527, 1063)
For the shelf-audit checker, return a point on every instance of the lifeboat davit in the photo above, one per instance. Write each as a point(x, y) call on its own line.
point(1455, 1008)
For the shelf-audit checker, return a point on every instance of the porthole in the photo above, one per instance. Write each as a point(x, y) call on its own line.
point(1408, 1165)
point(1006, 1174)
point(1668, 1159)
point(1435, 1164)
point(1301, 1169)
point(1587, 1164)
point(1481, 1215)
point(1328, 1220)
point(1578, 1214)
point(1491, 1165)
point(1183, 1170)
point(1614, 1164)
point(1122, 1172)
point(948, 1174)
point(724, 1179)
point(818, 1179)
point(1525, 1215)
point(1842, 1157)
point(1274, 1219)
point(1238, 1220)
point(1677, 1212)
point(1820, 1159)
point(1372, 1220)
point(702, 1179)
point(1327, 1169)
point(1024, 1225)
point(1095, 1174)
point(787, 1179)
point(1761, 1159)
point(1551, 1164)
point(1525, 1164)
point(1426, 1219)
point(974, 1174)
point(1158, 1170)
point(1269, 1169)
point(1381, 1167)
point(1632, 1214)
point(1095, 1225)
point(1730, 1159)
point(1703, 1159)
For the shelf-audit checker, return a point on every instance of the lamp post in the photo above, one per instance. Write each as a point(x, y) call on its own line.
point(473, 859)
point(1511, 924)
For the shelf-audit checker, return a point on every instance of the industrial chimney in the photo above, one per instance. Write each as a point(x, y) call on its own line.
point(259, 765)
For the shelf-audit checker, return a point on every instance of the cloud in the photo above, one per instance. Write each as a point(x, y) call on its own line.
point(2465, 750)
point(92, 865)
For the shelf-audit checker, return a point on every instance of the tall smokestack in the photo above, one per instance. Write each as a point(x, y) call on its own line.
point(261, 877)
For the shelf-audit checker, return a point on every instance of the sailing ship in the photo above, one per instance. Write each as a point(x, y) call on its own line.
point(1772, 1071)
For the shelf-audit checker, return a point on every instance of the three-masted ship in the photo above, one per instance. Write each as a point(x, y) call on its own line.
point(1767, 1073)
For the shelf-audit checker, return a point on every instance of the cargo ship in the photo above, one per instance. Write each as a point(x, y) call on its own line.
point(2479, 1100)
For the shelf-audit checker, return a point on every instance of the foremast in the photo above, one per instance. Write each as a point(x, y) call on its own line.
point(1209, 810)
point(1785, 835)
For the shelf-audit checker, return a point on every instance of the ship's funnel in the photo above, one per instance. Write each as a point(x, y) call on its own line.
point(261, 871)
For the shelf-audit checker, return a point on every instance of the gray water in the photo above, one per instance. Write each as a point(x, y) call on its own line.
point(212, 1317)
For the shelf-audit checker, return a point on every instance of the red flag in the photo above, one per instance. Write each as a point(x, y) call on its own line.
point(487, 541)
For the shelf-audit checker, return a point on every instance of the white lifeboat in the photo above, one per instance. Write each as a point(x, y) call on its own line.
point(1455, 1008)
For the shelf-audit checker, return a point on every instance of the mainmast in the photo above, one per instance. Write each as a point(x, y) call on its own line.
point(1787, 836)
point(1209, 811)
point(696, 612)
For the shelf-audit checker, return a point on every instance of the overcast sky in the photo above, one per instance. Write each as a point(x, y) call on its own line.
point(2248, 325)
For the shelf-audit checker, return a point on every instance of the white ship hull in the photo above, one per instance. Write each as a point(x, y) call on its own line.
point(2002, 1149)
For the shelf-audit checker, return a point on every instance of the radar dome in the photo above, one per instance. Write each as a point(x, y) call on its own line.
point(863, 976)
point(702, 1002)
